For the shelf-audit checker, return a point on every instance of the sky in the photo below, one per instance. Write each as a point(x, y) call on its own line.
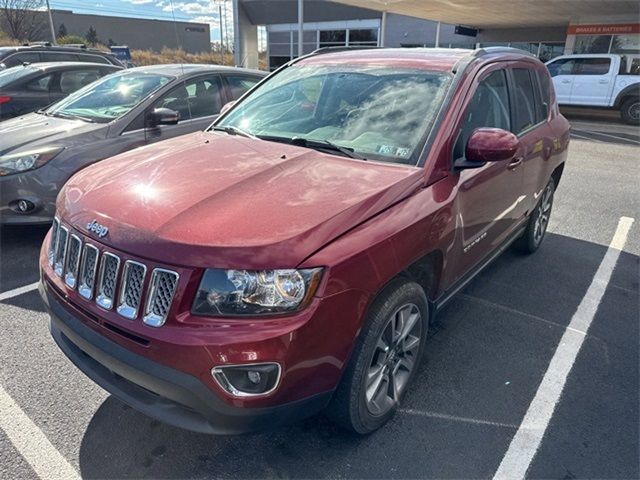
point(205, 11)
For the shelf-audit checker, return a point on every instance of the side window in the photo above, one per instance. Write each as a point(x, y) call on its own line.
point(591, 66)
point(73, 80)
point(20, 58)
point(561, 67)
point(545, 90)
point(196, 98)
point(58, 57)
point(524, 101)
point(238, 85)
point(489, 107)
point(40, 84)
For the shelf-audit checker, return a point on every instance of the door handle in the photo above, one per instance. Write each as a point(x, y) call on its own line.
point(603, 81)
point(565, 81)
point(515, 163)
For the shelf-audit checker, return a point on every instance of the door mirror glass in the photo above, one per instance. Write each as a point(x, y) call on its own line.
point(490, 145)
point(162, 116)
point(227, 106)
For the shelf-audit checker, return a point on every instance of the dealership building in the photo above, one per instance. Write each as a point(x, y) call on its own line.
point(545, 28)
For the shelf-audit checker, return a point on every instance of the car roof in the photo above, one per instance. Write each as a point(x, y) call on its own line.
point(179, 69)
point(54, 48)
point(436, 59)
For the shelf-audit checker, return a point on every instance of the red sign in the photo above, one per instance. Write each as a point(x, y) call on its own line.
point(620, 28)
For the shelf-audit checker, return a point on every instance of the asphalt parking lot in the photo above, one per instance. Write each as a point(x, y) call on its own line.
point(485, 362)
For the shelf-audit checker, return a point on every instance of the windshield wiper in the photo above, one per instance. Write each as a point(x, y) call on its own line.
point(71, 116)
point(232, 131)
point(326, 145)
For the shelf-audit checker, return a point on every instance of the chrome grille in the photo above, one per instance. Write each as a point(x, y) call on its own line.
point(54, 238)
point(73, 261)
point(131, 289)
point(88, 271)
point(61, 250)
point(108, 277)
point(161, 291)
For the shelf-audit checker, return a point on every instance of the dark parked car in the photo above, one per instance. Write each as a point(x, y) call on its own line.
point(291, 258)
point(32, 87)
point(44, 53)
point(119, 112)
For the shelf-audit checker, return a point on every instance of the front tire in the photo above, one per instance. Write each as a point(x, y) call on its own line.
point(538, 221)
point(630, 111)
point(385, 358)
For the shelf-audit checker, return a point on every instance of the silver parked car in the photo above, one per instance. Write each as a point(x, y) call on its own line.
point(121, 111)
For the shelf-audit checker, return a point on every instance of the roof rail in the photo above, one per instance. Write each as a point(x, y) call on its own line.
point(488, 50)
point(37, 44)
point(76, 45)
point(323, 50)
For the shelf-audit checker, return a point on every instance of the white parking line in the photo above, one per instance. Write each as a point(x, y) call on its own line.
point(32, 444)
point(455, 418)
point(18, 291)
point(527, 439)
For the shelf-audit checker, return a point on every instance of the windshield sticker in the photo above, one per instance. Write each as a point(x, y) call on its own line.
point(387, 149)
point(403, 152)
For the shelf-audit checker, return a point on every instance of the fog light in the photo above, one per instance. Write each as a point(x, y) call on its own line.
point(248, 380)
point(22, 206)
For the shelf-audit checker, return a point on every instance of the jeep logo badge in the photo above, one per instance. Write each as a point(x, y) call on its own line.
point(95, 227)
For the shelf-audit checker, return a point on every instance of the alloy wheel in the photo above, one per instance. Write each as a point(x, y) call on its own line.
point(393, 359)
point(542, 214)
point(634, 111)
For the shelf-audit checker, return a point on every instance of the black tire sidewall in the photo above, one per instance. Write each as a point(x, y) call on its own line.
point(528, 243)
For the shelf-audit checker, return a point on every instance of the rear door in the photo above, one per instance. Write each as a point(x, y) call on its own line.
point(561, 71)
point(592, 81)
point(198, 102)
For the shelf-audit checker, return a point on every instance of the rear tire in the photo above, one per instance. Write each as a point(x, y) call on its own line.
point(630, 111)
point(538, 221)
point(385, 358)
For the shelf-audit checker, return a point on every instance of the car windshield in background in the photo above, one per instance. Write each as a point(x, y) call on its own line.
point(109, 98)
point(12, 74)
point(370, 111)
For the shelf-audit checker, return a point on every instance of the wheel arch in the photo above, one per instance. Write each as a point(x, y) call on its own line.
point(632, 91)
point(557, 174)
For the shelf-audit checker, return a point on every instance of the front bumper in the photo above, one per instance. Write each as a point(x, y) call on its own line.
point(161, 392)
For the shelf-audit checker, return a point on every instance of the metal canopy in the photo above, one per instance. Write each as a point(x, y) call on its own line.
point(505, 13)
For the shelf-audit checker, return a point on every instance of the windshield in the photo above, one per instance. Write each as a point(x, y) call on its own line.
point(375, 112)
point(13, 74)
point(109, 98)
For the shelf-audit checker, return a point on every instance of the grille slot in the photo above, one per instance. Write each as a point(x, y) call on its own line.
point(88, 271)
point(132, 283)
point(161, 290)
point(108, 277)
point(52, 241)
point(73, 261)
point(61, 250)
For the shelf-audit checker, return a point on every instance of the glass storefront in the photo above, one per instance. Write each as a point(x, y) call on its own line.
point(545, 51)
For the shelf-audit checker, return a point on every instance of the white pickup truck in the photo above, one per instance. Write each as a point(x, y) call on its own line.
point(599, 80)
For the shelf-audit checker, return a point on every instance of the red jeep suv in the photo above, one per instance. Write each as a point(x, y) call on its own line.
point(289, 259)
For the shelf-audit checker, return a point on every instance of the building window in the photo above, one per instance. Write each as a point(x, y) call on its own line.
point(333, 38)
point(592, 44)
point(367, 36)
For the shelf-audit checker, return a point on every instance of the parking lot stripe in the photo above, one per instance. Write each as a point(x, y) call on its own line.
point(455, 418)
point(32, 443)
point(527, 439)
point(18, 291)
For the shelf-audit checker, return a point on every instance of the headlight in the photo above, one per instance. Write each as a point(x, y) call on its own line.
point(24, 161)
point(247, 292)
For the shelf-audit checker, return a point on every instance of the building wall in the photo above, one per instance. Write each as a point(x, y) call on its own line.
point(137, 33)
point(403, 31)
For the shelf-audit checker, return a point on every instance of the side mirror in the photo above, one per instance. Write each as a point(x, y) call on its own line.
point(162, 116)
point(227, 106)
point(488, 145)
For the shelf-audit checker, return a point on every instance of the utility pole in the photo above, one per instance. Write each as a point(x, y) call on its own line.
point(300, 27)
point(221, 34)
point(53, 29)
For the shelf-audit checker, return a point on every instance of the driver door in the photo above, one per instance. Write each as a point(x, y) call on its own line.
point(489, 198)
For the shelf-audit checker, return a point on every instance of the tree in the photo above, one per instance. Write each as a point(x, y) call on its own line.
point(91, 36)
point(62, 31)
point(21, 19)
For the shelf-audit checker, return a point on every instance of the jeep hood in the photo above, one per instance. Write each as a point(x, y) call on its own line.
point(35, 130)
point(214, 200)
